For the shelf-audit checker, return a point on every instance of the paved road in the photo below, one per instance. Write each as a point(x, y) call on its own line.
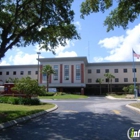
point(96, 118)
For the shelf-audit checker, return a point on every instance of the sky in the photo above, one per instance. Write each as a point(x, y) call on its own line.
point(95, 43)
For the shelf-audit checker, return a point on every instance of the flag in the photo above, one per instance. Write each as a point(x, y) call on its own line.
point(136, 55)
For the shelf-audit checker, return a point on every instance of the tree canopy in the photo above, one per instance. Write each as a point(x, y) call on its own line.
point(125, 12)
point(46, 22)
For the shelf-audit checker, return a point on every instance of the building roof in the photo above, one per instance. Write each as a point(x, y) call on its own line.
point(63, 59)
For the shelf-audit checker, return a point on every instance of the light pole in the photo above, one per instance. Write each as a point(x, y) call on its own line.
point(38, 67)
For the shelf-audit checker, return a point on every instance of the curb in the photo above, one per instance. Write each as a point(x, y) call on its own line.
point(133, 108)
point(22, 119)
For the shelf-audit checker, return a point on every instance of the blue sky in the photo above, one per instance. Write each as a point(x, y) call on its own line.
point(95, 43)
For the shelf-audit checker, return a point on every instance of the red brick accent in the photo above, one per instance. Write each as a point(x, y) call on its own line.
point(61, 71)
point(72, 74)
point(41, 73)
point(50, 78)
point(82, 73)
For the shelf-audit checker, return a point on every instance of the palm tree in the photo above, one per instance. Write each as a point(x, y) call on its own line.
point(48, 71)
point(99, 80)
point(109, 77)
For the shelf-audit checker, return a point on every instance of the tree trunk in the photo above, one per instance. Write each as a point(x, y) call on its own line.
point(47, 83)
point(108, 87)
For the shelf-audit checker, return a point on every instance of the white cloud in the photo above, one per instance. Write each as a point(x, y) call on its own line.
point(4, 63)
point(23, 58)
point(78, 25)
point(67, 54)
point(98, 59)
point(120, 48)
point(112, 42)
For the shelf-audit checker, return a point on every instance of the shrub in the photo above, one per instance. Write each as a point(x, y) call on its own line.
point(50, 93)
point(3, 99)
point(13, 100)
point(20, 100)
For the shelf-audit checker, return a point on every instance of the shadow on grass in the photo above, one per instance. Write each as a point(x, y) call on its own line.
point(6, 116)
point(72, 126)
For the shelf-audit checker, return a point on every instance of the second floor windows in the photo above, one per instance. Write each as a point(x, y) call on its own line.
point(66, 72)
point(125, 70)
point(98, 71)
point(55, 76)
point(106, 70)
point(78, 72)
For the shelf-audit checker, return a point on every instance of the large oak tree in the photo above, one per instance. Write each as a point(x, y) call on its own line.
point(25, 22)
point(125, 12)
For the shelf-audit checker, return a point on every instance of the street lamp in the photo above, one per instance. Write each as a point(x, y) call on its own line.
point(38, 67)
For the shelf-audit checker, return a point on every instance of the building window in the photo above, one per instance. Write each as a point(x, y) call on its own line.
point(116, 79)
point(89, 80)
point(89, 70)
point(14, 72)
point(78, 72)
point(125, 79)
point(134, 79)
point(29, 72)
point(115, 70)
point(134, 70)
point(125, 70)
point(44, 77)
point(22, 72)
point(98, 71)
point(55, 76)
point(107, 80)
point(106, 70)
point(36, 72)
point(0, 72)
point(66, 72)
point(7, 72)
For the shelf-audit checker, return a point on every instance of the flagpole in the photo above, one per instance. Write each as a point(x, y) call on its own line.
point(135, 93)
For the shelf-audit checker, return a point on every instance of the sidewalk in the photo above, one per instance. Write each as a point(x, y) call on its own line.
point(23, 119)
point(124, 99)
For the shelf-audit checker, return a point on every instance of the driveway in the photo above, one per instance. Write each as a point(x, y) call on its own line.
point(95, 118)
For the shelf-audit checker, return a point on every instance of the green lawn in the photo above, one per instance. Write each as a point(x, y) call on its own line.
point(66, 96)
point(10, 112)
point(119, 96)
point(137, 105)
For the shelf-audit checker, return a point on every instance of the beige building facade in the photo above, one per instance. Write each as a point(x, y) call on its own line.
point(75, 74)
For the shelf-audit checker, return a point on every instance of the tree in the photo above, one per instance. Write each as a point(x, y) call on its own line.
point(27, 86)
point(125, 12)
point(48, 71)
point(99, 80)
point(125, 89)
point(109, 77)
point(46, 22)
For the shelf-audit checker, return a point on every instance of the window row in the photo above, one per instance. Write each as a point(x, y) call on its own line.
point(115, 70)
point(15, 72)
point(116, 80)
point(66, 73)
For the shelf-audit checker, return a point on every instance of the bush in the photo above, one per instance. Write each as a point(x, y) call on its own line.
point(3, 99)
point(50, 93)
point(20, 100)
point(13, 100)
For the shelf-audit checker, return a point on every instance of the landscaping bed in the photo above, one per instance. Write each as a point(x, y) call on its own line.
point(63, 96)
point(10, 112)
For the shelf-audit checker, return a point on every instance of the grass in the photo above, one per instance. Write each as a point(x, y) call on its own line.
point(137, 105)
point(10, 112)
point(119, 96)
point(66, 96)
